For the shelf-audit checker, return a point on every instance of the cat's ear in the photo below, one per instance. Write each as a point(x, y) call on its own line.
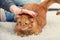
point(58, 12)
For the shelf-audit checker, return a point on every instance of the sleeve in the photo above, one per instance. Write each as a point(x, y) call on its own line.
point(5, 4)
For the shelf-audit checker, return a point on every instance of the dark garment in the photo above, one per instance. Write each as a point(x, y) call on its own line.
point(9, 16)
point(5, 4)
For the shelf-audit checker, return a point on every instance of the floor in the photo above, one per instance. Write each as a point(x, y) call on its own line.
point(50, 32)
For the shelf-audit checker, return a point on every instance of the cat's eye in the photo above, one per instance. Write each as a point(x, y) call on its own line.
point(19, 22)
point(25, 23)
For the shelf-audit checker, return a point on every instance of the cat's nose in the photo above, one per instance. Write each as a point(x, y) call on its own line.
point(24, 28)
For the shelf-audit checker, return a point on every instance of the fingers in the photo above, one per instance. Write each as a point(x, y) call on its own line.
point(31, 13)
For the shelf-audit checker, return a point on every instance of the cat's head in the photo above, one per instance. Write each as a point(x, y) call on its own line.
point(25, 22)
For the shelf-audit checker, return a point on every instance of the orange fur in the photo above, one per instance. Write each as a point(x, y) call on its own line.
point(27, 25)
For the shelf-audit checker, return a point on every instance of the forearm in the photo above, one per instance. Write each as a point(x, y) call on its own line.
point(14, 8)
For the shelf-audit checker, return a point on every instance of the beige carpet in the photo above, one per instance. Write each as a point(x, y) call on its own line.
point(50, 32)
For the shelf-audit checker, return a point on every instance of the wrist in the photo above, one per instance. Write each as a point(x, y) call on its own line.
point(14, 8)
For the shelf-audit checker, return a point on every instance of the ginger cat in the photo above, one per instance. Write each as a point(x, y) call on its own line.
point(27, 25)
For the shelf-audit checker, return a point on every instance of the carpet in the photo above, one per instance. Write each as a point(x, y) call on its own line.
point(51, 31)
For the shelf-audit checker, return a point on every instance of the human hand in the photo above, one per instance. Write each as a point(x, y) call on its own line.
point(16, 10)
